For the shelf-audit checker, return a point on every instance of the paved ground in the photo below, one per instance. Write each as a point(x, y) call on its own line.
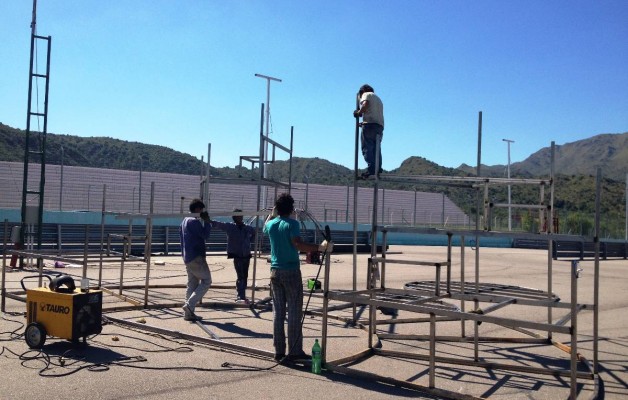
point(128, 363)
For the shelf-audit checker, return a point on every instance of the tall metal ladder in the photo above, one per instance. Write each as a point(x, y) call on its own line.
point(35, 146)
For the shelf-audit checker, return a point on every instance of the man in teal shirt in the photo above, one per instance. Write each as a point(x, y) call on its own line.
point(285, 276)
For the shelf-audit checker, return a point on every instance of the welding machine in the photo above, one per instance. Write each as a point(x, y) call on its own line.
point(62, 311)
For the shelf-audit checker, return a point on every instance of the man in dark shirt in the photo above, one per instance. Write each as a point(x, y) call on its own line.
point(193, 232)
point(239, 236)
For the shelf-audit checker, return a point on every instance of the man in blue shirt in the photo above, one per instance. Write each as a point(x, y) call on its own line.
point(193, 233)
point(239, 236)
point(285, 276)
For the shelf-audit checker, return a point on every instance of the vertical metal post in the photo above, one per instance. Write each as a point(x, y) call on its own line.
point(149, 240)
point(89, 192)
point(85, 252)
point(347, 208)
point(325, 308)
point(550, 242)
point(307, 190)
point(432, 362)
point(258, 237)
point(477, 241)
point(574, 330)
point(262, 159)
point(5, 240)
point(382, 275)
point(139, 193)
point(102, 233)
point(264, 155)
point(355, 204)
point(61, 183)
point(462, 305)
point(508, 141)
point(443, 213)
point(449, 240)
point(290, 165)
point(383, 205)
point(596, 278)
point(206, 194)
point(414, 214)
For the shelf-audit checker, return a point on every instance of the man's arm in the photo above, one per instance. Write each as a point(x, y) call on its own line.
point(364, 106)
point(324, 247)
point(302, 246)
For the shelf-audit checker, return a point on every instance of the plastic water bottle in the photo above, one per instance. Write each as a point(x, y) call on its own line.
point(316, 357)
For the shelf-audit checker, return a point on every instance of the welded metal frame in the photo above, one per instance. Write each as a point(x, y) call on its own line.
point(372, 296)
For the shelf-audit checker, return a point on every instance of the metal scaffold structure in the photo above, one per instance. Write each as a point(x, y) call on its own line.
point(35, 143)
point(444, 300)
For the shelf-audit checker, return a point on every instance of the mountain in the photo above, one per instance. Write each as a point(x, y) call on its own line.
point(583, 157)
point(575, 172)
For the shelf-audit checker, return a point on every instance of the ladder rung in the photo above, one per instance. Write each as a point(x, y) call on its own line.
point(33, 192)
point(35, 152)
point(42, 37)
point(40, 75)
point(38, 114)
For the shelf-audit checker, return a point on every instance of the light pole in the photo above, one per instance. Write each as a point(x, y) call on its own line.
point(508, 141)
point(268, 79)
point(61, 184)
point(139, 193)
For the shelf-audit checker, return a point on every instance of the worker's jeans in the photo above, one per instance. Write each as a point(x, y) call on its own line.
point(287, 288)
point(371, 139)
point(241, 266)
point(199, 281)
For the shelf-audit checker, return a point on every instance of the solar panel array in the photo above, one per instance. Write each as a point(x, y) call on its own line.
point(83, 190)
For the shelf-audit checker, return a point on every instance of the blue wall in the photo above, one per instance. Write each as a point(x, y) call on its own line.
point(394, 238)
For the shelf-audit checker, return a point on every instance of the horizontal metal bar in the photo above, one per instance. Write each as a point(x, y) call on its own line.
point(192, 338)
point(482, 233)
point(409, 262)
point(466, 179)
point(394, 321)
point(483, 364)
point(466, 339)
point(507, 322)
point(567, 317)
point(219, 213)
point(528, 206)
point(369, 377)
point(496, 306)
point(269, 140)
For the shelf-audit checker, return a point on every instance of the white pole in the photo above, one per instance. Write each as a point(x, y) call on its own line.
point(508, 141)
point(268, 79)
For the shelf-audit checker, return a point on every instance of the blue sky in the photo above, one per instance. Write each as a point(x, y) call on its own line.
point(181, 73)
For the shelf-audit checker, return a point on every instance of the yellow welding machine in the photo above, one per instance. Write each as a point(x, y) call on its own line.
point(66, 314)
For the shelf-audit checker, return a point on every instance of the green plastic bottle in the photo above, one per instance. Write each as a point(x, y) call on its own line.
point(316, 357)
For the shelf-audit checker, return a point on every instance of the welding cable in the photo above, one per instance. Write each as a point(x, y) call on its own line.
point(13, 335)
point(162, 349)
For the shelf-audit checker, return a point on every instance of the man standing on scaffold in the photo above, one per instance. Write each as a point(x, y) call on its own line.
point(371, 109)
